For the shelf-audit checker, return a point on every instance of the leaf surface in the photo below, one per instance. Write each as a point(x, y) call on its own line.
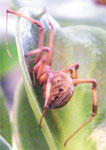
point(5, 125)
point(83, 44)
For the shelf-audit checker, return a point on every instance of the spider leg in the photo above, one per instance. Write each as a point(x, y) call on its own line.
point(41, 37)
point(70, 69)
point(47, 97)
point(94, 109)
point(51, 40)
point(33, 52)
point(40, 64)
point(43, 114)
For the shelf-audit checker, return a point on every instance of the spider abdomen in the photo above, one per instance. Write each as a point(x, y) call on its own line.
point(62, 89)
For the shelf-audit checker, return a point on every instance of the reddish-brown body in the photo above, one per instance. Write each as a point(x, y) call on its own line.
point(58, 86)
point(62, 86)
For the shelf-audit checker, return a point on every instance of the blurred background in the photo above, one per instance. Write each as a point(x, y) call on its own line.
point(67, 13)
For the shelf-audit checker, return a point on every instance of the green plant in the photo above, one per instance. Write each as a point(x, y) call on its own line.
point(83, 44)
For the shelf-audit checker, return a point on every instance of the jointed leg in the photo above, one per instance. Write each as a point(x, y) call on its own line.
point(94, 109)
point(43, 114)
point(41, 62)
point(51, 40)
point(33, 52)
point(70, 69)
point(41, 37)
point(35, 68)
point(47, 97)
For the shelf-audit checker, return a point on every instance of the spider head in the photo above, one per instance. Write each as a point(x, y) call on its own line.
point(62, 89)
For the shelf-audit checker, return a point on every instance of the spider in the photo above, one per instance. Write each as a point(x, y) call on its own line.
point(58, 87)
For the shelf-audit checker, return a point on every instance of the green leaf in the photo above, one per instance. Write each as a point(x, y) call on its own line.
point(26, 128)
point(27, 46)
point(4, 145)
point(83, 44)
point(5, 125)
point(5, 62)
